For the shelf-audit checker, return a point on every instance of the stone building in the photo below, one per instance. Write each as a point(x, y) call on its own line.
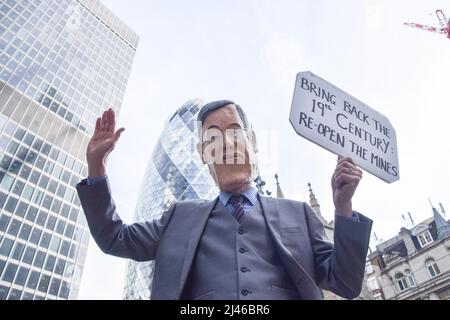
point(415, 264)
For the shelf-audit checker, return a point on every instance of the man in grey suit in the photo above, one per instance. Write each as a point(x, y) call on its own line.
point(241, 245)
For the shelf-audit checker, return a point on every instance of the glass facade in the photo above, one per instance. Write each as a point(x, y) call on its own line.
point(175, 172)
point(62, 62)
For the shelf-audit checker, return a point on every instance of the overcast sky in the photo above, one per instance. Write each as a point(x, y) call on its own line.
point(250, 52)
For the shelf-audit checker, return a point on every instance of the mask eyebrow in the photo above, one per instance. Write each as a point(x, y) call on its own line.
point(234, 126)
point(230, 126)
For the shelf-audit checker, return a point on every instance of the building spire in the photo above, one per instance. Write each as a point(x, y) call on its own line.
point(313, 201)
point(279, 192)
point(442, 227)
point(442, 210)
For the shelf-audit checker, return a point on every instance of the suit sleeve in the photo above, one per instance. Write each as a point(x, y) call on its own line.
point(137, 241)
point(340, 267)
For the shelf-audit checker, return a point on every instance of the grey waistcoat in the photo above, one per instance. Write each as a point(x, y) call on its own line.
point(238, 261)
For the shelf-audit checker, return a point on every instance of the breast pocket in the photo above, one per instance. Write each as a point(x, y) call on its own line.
point(291, 230)
point(299, 245)
point(295, 240)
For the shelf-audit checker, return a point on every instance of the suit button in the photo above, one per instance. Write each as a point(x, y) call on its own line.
point(241, 231)
point(244, 269)
point(242, 250)
point(245, 292)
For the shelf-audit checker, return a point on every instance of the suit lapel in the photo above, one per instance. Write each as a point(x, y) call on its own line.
point(271, 212)
point(200, 217)
point(293, 266)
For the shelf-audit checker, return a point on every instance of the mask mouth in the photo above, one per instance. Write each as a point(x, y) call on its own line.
point(232, 156)
point(233, 159)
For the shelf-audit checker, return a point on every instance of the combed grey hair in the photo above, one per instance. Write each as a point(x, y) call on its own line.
point(214, 105)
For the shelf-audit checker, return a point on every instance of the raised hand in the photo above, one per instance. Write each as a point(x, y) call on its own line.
point(344, 182)
point(102, 143)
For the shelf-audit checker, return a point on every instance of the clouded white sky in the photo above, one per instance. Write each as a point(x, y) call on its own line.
point(250, 51)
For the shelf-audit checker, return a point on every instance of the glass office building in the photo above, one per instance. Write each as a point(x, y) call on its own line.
point(62, 62)
point(175, 172)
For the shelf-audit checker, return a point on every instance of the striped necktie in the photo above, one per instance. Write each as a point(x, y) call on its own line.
point(238, 208)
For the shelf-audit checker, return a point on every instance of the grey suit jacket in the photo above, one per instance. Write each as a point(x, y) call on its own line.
point(298, 235)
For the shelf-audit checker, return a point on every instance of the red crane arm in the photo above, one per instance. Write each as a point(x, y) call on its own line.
point(425, 27)
point(442, 19)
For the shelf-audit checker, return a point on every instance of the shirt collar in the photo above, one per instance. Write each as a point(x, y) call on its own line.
point(251, 194)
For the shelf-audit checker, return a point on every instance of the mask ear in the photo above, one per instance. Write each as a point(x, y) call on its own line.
point(252, 137)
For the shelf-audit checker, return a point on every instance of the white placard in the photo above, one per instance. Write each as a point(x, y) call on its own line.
point(340, 123)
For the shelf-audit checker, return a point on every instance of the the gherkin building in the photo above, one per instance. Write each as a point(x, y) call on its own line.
point(175, 172)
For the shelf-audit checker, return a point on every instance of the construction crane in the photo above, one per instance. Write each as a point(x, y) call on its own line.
point(444, 25)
